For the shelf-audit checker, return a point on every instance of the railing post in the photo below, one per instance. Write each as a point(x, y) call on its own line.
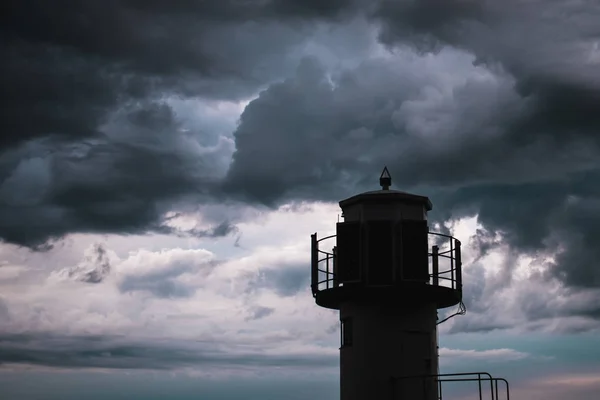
point(507, 389)
point(327, 280)
point(496, 385)
point(458, 266)
point(336, 282)
point(452, 263)
point(314, 264)
point(435, 266)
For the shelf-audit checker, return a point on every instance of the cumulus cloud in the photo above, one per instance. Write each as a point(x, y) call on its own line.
point(162, 296)
point(507, 291)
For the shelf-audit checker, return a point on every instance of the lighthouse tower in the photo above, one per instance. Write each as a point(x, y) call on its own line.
point(383, 275)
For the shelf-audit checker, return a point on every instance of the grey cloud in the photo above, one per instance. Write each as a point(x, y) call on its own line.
point(124, 182)
point(168, 288)
point(474, 294)
point(4, 311)
point(495, 303)
point(119, 353)
point(333, 328)
point(94, 268)
point(66, 165)
point(291, 141)
point(159, 277)
point(549, 54)
point(67, 63)
point(515, 141)
point(549, 49)
point(164, 282)
point(259, 312)
point(577, 231)
point(514, 150)
point(530, 39)
point(308, 127)
point(536, 218)
point(285, 280)
point(222, 229)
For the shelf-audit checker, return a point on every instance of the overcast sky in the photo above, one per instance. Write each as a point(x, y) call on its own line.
point(163, 164)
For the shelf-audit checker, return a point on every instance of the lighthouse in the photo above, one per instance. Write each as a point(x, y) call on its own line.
point(383, 271)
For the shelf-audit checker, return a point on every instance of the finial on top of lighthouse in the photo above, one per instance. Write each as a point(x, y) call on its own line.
point(385, 180)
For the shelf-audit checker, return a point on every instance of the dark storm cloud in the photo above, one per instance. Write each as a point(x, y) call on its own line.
point(307, 137)
point(557, 215)
point(223, 229)
point(495, 301)
point(119, 353)
point(69, 66)
point(66, 63)
point(122, 182)
point(519, 147)
point(328, 140)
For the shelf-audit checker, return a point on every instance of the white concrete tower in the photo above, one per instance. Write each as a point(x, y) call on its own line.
point(385, 280)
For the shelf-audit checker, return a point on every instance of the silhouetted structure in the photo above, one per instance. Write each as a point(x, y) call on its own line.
point(387, 284)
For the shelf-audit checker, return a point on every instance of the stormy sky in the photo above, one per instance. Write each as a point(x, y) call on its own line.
point(163, 164)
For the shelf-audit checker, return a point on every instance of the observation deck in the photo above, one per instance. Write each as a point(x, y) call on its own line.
point(331, 285)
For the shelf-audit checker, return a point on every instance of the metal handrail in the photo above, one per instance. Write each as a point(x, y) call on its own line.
point(326, 237)
point(325, 272)
point(323, 251)
point(493, 382)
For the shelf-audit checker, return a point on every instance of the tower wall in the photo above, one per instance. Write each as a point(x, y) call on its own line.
point(388, 341)
point(388, 212)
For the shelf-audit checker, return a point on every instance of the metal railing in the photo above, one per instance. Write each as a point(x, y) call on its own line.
point(323, 273)
point(446, 249)
point(479, 377)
